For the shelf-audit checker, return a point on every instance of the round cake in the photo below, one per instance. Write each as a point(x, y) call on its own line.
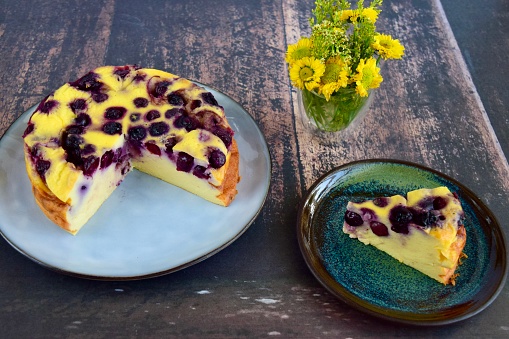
point(83, 139)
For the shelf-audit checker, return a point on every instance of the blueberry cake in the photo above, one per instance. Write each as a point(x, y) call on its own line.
point(83, 139)
point(424, 230)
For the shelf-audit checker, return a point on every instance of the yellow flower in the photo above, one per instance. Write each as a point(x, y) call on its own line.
point(342, 50)
point(298, 50)
point(367, 77)
point(387, 47)
point(349, 14)
point(306, 73)
point(370, 13)
point(334, 77)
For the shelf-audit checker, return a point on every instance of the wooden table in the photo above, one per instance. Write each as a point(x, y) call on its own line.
point(443, 106)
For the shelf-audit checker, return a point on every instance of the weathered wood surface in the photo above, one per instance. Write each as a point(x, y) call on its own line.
point(486, 64)
point(427, 111)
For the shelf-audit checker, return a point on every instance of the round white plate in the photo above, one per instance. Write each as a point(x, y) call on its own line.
point(146, 227)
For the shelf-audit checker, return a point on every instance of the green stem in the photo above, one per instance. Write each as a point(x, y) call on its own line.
point(335, 114)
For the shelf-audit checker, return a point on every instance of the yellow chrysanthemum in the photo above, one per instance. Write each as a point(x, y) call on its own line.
point(334, 77)
point(349, 14)
point(370, 13)
point(306, 73)
point(328, 89)
point(299, 50)
point(367, 77)
point(387, 47)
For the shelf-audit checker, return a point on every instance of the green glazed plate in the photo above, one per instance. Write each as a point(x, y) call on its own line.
point(374, 282)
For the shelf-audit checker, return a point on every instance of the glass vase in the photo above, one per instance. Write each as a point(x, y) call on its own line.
point(344, 110)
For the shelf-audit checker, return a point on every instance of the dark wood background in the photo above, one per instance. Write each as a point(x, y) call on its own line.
point(443, 106)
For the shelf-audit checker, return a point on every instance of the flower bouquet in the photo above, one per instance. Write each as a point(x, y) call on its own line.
point(338, 65)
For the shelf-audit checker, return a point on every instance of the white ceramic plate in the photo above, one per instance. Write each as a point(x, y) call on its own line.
point(147, 227)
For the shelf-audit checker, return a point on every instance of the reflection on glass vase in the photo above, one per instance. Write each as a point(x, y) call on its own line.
point(344, 110)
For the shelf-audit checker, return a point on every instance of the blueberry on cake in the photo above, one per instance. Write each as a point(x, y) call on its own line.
point(83, 139)
point(424, 230)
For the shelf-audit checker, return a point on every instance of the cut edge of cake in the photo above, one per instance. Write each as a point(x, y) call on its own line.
point(57, 211)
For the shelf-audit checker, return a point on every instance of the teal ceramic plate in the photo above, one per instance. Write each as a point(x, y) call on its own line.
point(374, 282)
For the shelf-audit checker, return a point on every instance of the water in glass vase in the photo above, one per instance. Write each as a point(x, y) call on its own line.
point(344, 109)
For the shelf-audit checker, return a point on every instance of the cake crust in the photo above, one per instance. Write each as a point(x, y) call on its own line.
point(456, 247)
point(232, 177)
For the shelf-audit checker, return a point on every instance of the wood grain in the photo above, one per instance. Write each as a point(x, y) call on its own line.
point(426, 111)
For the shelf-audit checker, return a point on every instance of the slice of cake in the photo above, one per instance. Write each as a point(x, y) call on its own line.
point(83, 139)
point(424, 231)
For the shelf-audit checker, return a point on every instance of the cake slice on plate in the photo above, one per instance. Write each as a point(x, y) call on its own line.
point(424, 230)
